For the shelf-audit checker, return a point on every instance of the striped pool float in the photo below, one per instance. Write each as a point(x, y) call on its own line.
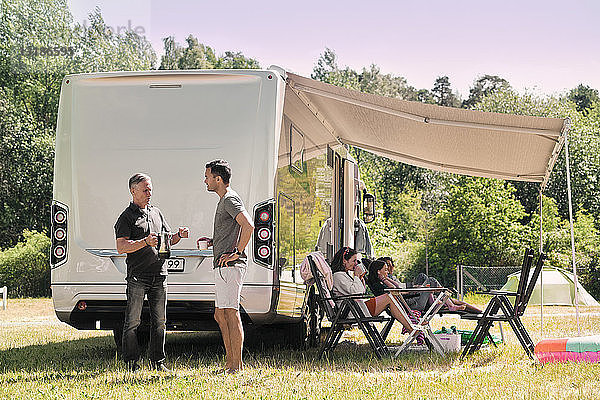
point(585, 348)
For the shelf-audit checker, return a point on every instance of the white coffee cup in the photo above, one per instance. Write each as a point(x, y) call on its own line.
point(203, 245)
point(359, 270)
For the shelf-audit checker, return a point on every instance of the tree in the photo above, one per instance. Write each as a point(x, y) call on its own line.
point(236, 60)
point(26, 161)
point(369, 80)
point(25, 268)
point(199, 56)
point(328, 71)
point(388, 179)
point(484, 86)
point(101, 49)
point(587, 247)
point(553, 238)
point(584, 152)
point(479, 225)
point(36, 41)
point(584, 97)
point(372, 81)
point(173, 53)
point(556, 240)
point(442, 93)
point(584, 149)
point(424, 96)
point(39, 45)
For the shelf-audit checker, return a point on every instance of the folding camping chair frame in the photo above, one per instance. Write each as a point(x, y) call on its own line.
point(500, 308)
point(343, 312)
point(423, 324)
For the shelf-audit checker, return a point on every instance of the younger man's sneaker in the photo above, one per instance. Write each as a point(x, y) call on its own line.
point(161, 367)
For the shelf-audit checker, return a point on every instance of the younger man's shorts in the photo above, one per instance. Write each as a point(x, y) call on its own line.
point(228, 285)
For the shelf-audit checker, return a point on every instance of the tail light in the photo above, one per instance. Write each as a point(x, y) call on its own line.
point(81, 305)
point(264, 251)
point(58, 251)
point(263, 233)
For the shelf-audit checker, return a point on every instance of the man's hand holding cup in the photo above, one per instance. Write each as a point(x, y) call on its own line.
point(151, 240)
point(204, 243)
point(183, 232)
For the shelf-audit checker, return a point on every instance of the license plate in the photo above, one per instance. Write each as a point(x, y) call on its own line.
point(175, 264)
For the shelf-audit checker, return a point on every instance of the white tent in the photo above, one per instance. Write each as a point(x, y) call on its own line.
point(559, 288)
point(493, 145)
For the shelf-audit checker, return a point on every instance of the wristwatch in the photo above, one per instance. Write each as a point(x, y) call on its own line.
point(236, 251)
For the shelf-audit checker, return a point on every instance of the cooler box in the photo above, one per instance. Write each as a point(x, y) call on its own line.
point(450, 341)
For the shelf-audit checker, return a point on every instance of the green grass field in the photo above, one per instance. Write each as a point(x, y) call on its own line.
point(41, 358)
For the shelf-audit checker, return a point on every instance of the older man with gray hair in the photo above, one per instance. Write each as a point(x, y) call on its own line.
point(136, 235)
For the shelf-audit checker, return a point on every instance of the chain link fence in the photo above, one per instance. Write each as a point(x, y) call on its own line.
point(470, 278)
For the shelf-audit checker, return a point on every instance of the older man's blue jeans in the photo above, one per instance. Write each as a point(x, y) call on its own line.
point(155, 287)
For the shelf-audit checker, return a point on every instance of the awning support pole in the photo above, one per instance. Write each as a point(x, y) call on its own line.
point(542, 271)
point(572, 231)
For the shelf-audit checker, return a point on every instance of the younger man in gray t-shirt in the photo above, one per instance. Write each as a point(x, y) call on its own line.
point(226, 230)
point(233, 228)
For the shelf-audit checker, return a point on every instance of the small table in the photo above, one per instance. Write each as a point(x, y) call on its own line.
point(423, 324)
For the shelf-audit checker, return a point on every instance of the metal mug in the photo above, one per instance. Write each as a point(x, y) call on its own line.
point(164, 245)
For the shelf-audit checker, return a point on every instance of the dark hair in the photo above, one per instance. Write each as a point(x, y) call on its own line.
point(366, 262)
point(137, 178)
point(375, 284)
point(345, 253)
point(220, 168)
point(389, 259)
point(374, 269)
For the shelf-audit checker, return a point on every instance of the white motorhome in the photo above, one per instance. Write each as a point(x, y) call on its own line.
point(292, 173)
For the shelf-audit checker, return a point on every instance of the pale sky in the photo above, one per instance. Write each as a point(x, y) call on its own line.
point(547, 46)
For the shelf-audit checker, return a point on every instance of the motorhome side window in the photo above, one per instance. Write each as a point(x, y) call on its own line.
point(296, 149)
point(286, 236)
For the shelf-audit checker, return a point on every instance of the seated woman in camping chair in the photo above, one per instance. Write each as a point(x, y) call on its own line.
point(348, 280)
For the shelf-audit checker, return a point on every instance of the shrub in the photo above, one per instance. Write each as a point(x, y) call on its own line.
point(25, 268)
point(589, 277)
point(479, 225)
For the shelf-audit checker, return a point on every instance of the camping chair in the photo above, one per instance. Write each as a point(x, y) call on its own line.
point(344, 311)
point(501, 309)
point(464, 314)
point(420, 325)
point(423, 324)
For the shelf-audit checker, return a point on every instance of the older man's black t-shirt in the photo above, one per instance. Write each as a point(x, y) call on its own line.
point(135, 223)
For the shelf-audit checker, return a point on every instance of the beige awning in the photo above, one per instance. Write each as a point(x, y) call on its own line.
point(504, 146)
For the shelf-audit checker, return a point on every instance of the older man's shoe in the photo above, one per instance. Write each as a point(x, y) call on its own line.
point(133, 366)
